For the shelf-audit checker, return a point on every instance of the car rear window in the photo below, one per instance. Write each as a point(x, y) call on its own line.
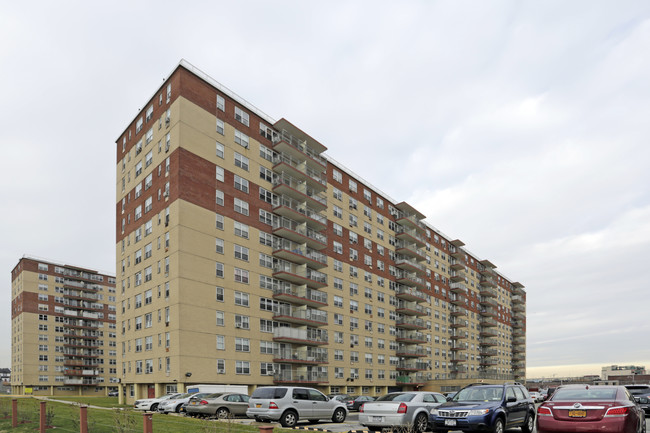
point(398, 396)
point(585, 394)
point(269, 393)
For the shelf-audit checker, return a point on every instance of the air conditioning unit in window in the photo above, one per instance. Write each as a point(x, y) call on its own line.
point(221, 371)
point(355, 376)
point(237, 325)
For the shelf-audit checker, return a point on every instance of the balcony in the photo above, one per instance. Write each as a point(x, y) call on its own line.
point(300, 316)
point(458, 323)
point(458, 288)
point(410, 323)
point(410, 337)
point(457, 253)
point(458, 336)
point(297, 253)
point(410, 251)
point(489, 361)
point(298, 211)
point(487, 321)
point(81, 314)
point(80, 334)
point(489, 311)
point(488, 342)
point(518, 348)
point(299, 170)
point(484, 351)
point(299, 190)
point(458, 311)
point(488, 292)
point(411, 236)
point(518, 299)
point(459, 300)
point(299, 233)
point(518, 340)
point(81, 324)
point(459, 346)
point(457, 276)
point(519, 308)
point(85, 381)
point(84, 364)
point(309, 357)
point(519, 315)
point(518, 332)
point(81, 285)
point(410, 222)
point(410, 279)
point(299, 149)
point(459, 369)
point(412, 366)
point(82, 344)
point(410, 309)
point(488, 332)
point(406, 352)
point(411, 266)
point(80, 295)
point(306, 337)
point(487, 281)
point(408, 294)
point(80, 372)
point(456, 265)
point(300, 377)
point(415, 380)
point(300, 295)
point(519, 357)
point(488, 302)
point(299, 274)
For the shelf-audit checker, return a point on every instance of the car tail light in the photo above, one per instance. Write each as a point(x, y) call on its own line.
point(203, 402)
point(361, 408)
point(272, 405)
point(618, 411)
point(544, 411)
point(402, 408)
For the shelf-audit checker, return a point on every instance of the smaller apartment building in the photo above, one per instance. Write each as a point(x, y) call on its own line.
point(63, 329)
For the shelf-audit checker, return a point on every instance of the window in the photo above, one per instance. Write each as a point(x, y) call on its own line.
point(241, 253)
point(219, 222)
point(241, 299)
point(220, 270)
point(221, 342)
point(241, 161)
point(337, 176)
point(367, 195)
point(220, 173)
point(243, 367)
point(352, 185)
point(220, 294)
point(221, 103)
point(220, 318)
point(219, 197)
point(241, 184)
point(338, 229)
point(148, 159)
point(219, 246)
point(220, 130)
point(338, 212)
point(241, 230)
point(241, 207)
point(241, 275)
point(266, 174)
point(220, 150)
point(242, 345)
point(241, 116)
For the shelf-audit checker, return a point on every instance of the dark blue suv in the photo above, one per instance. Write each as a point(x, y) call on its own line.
point(486, 408)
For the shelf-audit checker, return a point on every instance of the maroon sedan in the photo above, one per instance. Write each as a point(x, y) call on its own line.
point(589, 408)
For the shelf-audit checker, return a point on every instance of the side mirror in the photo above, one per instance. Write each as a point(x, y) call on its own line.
point(511, 399)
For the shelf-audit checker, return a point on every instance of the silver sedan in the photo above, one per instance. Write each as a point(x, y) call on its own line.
point(222, 405)
point(400, 409)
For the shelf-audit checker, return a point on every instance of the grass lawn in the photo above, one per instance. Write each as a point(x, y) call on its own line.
point(66, 418)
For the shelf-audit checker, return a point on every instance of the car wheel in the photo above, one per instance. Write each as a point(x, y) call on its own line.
point(289, 419)
point(529, 424)
point(154, 407)
point(420, 423)
point(498, 426)
point(339, 415)
point(222, 413)
point(178, 408)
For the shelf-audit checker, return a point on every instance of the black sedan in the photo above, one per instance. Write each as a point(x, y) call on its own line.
point(644, 402)
point(354, 402)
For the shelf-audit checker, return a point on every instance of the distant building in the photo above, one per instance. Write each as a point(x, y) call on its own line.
point(63, 329)
point(621, 370)
point(5, 375)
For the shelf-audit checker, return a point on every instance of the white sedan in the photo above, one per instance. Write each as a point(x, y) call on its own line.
point(175, 404)
point(151, 403)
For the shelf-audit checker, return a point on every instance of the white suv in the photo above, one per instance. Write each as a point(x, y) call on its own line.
point(288, 404)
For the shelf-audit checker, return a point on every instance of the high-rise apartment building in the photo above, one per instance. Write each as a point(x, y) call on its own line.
point(246, 256)
point(64, 338)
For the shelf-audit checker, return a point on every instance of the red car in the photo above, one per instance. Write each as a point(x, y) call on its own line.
point(590, 408)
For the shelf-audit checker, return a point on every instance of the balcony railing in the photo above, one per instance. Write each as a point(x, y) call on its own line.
point(411, 336)
point(296, 252)
point(309, 356)
point(301, 336)
point(411, 323)
point(302, 189)
point(286, 227)
point(300, 295)
point(410, 294)
point(315, 177)
point(301, 146)
point(300, 315)
point(299, 274)
point(299, 376)
point(301, 209)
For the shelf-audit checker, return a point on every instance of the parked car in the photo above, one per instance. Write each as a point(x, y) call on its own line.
point(536, 396)
point(340, 397)
point(220, 404)
point(400, 409)
point(590, 408)
point(288, 404)
point(355, 402)
point(644, 402)
point(174, 404)
point(492, 408)
point(450, 395)
point(195, 395)
point(549, 392)
point(151, 403)
point(113, 393)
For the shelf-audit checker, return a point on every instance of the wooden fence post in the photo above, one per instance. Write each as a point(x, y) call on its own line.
point(147, 426)
point(14, 413)
point(83, 419)
point(41, 423)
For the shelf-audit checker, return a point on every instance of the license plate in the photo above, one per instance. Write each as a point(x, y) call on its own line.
point(258, 405)
point(578, 413)
point(450, 422)
point(377, 418)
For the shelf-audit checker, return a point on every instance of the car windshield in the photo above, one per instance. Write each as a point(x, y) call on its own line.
point(397, 396)
point(185, 395)
point(585, 394)
point(483, 393)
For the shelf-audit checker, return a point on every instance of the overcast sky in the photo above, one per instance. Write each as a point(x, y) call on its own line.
point(519, 127)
